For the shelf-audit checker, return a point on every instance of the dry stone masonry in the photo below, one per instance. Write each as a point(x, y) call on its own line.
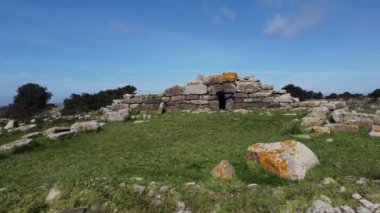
point(219, 91)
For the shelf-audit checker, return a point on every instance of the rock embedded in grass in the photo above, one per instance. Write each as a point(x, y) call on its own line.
point(32, 135)
point(289, 159)
point(320, 206)
point(362, 209)
point(224, 170)
point(357, 196)
point(329, 181)
point(138, 188)
point(375, 131)
point(85, 126)
point(53, 194)
point(346, 209)
point(14, 144)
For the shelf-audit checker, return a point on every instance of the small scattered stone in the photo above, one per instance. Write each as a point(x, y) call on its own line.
point(329, 181)
point(366, 203)
point(140, 121)
point(136, 178)
point(164, 189)
point(122, 185)
point(157, 200)
point(362, 209)
point(325, 199)
point(138, 188)
point(342, 189)
point(329, 140)
point(252, 186)
point(181, 206)
point(224, 170)
point(357, 196)
point(303, 136)
point(53, 194)
point(346, 209)
point(320, 206)
point(362, 181)
point(192, 185)
point(3, 189)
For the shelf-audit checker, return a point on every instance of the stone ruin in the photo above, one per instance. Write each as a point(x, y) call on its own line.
point(220, 91)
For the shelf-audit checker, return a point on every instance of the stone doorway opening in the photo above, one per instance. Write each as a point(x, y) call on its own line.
point(222, 100)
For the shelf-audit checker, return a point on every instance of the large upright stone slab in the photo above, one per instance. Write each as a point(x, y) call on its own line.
point(195, 89)
point(289, 159)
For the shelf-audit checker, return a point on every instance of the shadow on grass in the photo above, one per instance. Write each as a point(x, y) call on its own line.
point(253, 173)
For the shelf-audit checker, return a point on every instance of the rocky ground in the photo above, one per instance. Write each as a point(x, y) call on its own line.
point(317, 157)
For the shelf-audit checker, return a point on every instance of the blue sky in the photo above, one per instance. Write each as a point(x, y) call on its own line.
point(73, 46)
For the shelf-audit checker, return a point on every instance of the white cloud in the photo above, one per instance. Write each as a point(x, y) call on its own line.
point(219, 14)
point(307, 16)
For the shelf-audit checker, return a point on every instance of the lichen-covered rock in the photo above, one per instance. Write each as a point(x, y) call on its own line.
point(229, 76)
point(224, 170)
point(342, 128)
point(85, 126)
point(14, 144)
point(375, 131)
point(289, 159)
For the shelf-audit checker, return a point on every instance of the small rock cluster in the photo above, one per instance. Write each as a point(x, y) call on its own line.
point(343, 120)
point(54, 133)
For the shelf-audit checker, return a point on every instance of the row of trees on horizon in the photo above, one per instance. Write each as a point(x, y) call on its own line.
point(32, 99)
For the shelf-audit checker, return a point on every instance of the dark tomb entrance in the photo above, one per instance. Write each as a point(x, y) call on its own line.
point(222, 100)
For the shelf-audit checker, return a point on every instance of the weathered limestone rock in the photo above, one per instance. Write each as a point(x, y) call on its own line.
point(247, 87)
point(342, 128)
point(229, 88)
point(375, 131)
point(321, 130)
point(309, 104)
point(230, 104)
point(213, 79)
point(268, 87)
point(161, 108)
point(195, 89)
point(311, 121)
point(286, 98)
point(86, 126)
point(178, 98)
point(120, 115)
point(32, 135)
point(289, 159)
point(18, 143)
point(320, 206)
point(23, 128)
point(224, 170)
point(340, 115)
point(53, 194)
point(128, 96)
point(346, 209)
point(11, 124)
point(319, 112)
point(57, 132)
point(174, 91)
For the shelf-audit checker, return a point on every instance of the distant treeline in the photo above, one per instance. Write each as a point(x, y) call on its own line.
point(302, 94)
point(81, 103)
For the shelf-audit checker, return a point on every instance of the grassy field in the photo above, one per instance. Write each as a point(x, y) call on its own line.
point(96, 170)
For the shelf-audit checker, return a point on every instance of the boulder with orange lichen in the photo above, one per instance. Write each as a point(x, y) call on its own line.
point(289, 159)
point(224, 170)
point(375, 131)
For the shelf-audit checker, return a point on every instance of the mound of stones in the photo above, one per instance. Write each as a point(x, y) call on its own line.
point(219, 91)
point(288, 159)
point(233, 91)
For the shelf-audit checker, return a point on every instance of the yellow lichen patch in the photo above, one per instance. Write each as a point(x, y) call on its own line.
point(229, 76)
point(272, 161)
point(376, 129)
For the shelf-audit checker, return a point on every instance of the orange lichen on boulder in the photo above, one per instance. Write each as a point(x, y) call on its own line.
point(223, 170)
point(289, 159)
point(229, 76)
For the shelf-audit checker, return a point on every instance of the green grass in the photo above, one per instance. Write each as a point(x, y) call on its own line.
point(174, 149)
